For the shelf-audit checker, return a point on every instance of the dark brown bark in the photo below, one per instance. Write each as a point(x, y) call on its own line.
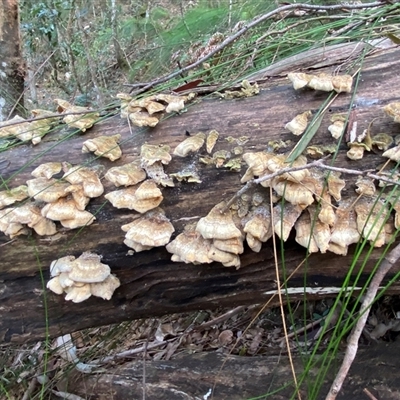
point(152, 285)
point(12, 70)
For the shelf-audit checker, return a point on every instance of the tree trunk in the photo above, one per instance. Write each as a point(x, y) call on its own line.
point(12, 70)
point(151, 284)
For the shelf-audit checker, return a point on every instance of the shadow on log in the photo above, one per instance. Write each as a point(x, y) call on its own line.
point(151, 284)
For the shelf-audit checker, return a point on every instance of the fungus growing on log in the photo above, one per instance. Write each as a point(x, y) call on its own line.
point(153, 229)
point(82, 277)
point(141, 197)
point(104, 146)
point(190, 145)
point(299, 123)
point(47, 170)
point(82, 120)
point(8, 197)
point(126, 175)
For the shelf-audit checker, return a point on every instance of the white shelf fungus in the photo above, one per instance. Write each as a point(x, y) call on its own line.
point(190, 145)
point(126, 175)
point(141, 197)
point(82, 277)
point(324, 82)
point(83, 120)
point(153, 229)
point(104, 146)
point(9, 197)
point(299, 123)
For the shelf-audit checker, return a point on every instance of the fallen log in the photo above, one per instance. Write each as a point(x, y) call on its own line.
point(151, 284)
point(193, 376)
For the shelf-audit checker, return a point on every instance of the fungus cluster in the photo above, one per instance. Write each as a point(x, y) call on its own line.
point(28, 131)
point(214, 238)
point(78, 117)
point(82, 277)
point(149, 110)
point(104, 146)
point(62, 200)
point(324, 82)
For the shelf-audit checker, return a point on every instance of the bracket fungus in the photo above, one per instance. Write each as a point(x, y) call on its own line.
point(8, 197)
point(153, 229)
point(88, 178)
point(211, 140)
point(324, 82)
point(393, 110)
point(82, 277)
point(218, 225)
point(299, 123)
point(104, 146)
point(190, 145)
point(337, 127)
point(66, 211)
point(47, 170)
point(47, 190)
point(152, 159)
point(126, 175)
point(83, 119)
point(141, 197)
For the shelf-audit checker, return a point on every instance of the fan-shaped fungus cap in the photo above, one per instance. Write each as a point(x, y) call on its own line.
point(81, 121)
point(142, 118)
point(344, 232)
point(77, 294)
point(321, 232)
point(335, 185)
point(47, 190)
point(218, 225)
point(151, 153)
point(304, 235)
point(8, 227)
point(285, 219)
point(105, 289)
point(104, 146)
point(190, 247)
point(47, 170)
point(365, 186)
point(259, 225)
point(226, 259)
point(126, 175)
point(295, 193)
point(337, 127)
point(393, 153)
point(299, 123)
point(88, 178)
point(258, 164)
point(63, 264)
point(148, 103)
point(326, 213)
point(234, 245)
point(321, 82)
point(382, 141)
point(371, 217)
point(299, 79)
point(8, 197)
point(393, 110)
point(212, 138)
point(65, 211)
point(153, 229)
point(190, 145)
point(175, 103)
point(125, 99)
point(342, 83)
point(253, 243)
point(30, 215)
point(356, 151)
point(87, 268)
point(78, 194)
point(141, 198)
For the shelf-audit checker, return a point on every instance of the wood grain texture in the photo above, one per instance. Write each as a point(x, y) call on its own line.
point(151, 284)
